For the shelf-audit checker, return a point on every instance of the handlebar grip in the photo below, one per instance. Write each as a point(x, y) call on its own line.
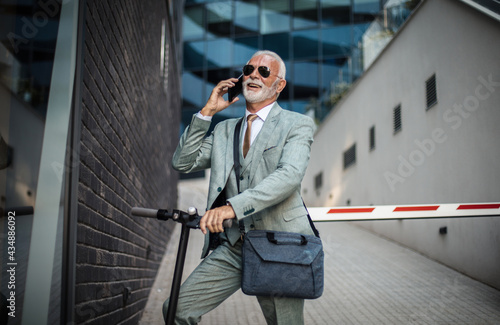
point(153, 213)
point(143, 212)
point(228, 223)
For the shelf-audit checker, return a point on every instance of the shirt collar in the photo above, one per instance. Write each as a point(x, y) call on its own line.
point(262, 113)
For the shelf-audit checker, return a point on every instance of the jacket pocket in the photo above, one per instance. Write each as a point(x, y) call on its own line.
point(271, 159)
point(294, 213)
point(270, 148)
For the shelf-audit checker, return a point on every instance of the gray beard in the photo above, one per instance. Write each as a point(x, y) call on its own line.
point(261, 95)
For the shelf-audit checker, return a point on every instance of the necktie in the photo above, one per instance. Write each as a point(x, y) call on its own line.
point(248, 132)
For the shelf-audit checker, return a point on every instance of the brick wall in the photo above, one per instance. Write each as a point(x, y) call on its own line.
point(129, 130)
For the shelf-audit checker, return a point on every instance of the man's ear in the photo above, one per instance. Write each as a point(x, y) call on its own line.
point(281, 86)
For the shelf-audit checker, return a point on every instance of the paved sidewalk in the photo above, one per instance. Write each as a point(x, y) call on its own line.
point(368, 280)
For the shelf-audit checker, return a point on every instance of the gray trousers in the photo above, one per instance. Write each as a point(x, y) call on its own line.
point(216, 278)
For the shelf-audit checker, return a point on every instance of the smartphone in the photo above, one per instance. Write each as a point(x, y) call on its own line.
point(236, 90)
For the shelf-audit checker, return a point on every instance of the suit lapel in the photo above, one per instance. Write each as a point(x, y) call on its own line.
point(220, 174)
point(229, 150)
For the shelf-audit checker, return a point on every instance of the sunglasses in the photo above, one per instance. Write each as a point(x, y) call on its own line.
point(264, 71)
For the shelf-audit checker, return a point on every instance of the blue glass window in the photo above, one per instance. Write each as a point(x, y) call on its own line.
point(335, 12)
point(305, 80)
point(365, 10)
point(246, 17)
point(300, 31)
point(305, 13)
point(192, 85)
point(334, 72)
point(194, 55)
point(193, 25)
point(302, 106)
point(336, 41)
point(305, 44)
point(219, 53)
point(278, 43)
point(219, 18)
point(275, 16)
point(244, 48)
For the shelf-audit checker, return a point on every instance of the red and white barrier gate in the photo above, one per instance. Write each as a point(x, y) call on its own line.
point(398, 212)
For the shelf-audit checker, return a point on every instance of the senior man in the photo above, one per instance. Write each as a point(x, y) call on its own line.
point(274, 153)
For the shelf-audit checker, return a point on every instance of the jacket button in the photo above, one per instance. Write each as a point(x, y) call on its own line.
point(219, 189)
point(252, 226)
point(241, 178)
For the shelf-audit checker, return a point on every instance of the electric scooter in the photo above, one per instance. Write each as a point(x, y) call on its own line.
point(189, 220)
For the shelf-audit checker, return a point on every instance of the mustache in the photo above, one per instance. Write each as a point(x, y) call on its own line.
point(256, 81)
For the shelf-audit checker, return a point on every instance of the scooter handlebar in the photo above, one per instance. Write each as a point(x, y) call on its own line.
point(143, 212)
point(153, 213)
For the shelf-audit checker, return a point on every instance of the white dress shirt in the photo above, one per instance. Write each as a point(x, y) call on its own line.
point(256, 124)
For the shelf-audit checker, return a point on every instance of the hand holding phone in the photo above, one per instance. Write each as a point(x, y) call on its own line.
point(216, 102)
point(233, 92)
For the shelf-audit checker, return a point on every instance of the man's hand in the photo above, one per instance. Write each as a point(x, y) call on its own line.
point(213, 219)
point(216, 102)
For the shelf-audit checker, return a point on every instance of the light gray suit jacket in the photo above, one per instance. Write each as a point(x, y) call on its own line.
point(271, 173)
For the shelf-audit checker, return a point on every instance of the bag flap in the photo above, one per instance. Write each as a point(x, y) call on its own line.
point(288, 250)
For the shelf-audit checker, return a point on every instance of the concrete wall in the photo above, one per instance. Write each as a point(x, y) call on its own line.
point(446, 154)
point(130, 127)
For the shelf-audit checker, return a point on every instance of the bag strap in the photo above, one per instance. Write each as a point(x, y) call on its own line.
point(313, 227)
point(237, 166)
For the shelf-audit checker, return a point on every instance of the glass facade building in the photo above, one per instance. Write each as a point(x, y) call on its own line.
point(317, 39)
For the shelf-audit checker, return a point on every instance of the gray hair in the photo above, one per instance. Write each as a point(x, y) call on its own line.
point(282, 72)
